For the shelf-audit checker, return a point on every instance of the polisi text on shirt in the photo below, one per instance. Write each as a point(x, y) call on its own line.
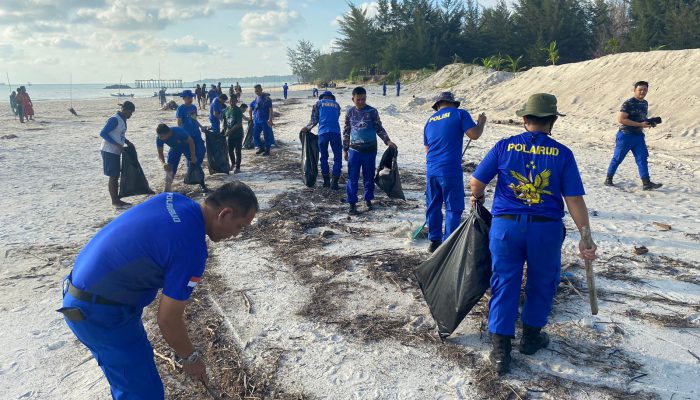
point(171, 209)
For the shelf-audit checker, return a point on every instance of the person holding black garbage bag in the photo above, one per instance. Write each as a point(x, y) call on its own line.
point(536, 176)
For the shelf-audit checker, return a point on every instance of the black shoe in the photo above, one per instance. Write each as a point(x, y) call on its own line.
point(205, 189)
point(434, 244)
point(334, 183)
point(326, 181)
point(533, 339)
point(500, 354)
point(266, 153)
point(370, 207)
point(647, 184)
point(353, 209)
point(608, 181)
point(237, 170)
point(260, 151)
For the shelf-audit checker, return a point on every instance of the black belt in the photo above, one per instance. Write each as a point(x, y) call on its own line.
point(89, 297)
point(530, 218)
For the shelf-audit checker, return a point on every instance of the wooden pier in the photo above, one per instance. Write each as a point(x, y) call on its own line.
point(158, 83)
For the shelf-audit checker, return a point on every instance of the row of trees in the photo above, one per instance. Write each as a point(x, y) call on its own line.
point(413, 34)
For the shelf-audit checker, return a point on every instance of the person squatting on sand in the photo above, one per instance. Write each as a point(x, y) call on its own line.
point(443, 138)
point(633, 118)
point(261, 113)
point(158, 244)
point(180, 142)
point(326, 114)
point(113, 136)
point(362, 126)
point(233, 130)
point(534, 173)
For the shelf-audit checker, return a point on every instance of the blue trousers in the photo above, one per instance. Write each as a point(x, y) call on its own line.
point(398, 91)
point(624, 142)
point(174, 155)
point(336, 143)
point(447, 190)
point(266, 129)
point(384, 91)
point(215, 124)
point(366, 162)
point(118, 341)
point(512, 243)
point(285, 95)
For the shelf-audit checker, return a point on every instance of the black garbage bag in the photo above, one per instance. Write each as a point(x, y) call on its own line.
point(133, 182)
point(217, 153)
point(309, 157)
point(457, 275)
point(388, 178)
point(248, 142)
point(194, 176)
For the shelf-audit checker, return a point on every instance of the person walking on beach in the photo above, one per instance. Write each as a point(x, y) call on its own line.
point(161, 96)
point(384, 88)
point(213, 94)
point(27, 105)
point(285, 88)
point(13, 102)
point(362, 126)
point(218, 88)
point(239, 90)
point(216, 111)
point(180, 142)
point(20, 104)
point(231, 92)
point(326, 114)
point(205, 95)
point(314, 92)
point(536, 176)
point(443, 138)
point(158, 245)
point(630, 137)
point(198, 93)
point(113, 136)
point(261, 113)
point(398, 87)
point(233, 129)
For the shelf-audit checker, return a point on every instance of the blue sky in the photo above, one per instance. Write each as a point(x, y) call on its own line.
point(44, 41)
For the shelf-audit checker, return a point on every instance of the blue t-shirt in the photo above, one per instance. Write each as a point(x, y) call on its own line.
point(261, 109)
point(637, 111)
point(326, 113)
point(216, 106)
point(159, 243)
point(213, 93)
point(444, 136)
point(187, 114)
point(177, 140)
point(534, 172)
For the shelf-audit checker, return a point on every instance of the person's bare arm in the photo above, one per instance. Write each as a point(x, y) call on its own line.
point(475, 132)
point(161, 156)
point(478, 190)
point(172, 327)
point(579, 213)
point(623, 118)
point(193, 156)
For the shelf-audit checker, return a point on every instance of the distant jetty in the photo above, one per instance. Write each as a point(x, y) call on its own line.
point(118, 87)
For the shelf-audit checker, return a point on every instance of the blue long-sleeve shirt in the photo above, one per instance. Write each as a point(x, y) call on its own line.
point(362, 126)
point(325, 114)
point(109, 127)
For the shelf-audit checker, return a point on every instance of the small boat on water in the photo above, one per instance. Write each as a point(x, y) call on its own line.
point(121, 95)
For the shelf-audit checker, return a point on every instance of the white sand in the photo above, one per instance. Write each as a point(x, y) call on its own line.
point(54, 198)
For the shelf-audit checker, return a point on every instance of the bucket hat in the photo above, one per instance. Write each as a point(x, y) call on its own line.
point(540, 105)
point(448, 97)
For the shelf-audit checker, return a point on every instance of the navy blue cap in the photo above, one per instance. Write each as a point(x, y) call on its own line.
point(187, 93)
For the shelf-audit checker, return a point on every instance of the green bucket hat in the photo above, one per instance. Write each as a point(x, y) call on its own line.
point(540, 105)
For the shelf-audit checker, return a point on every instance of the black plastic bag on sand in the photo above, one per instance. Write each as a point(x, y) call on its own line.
point(133, 182)
point(309, 157)
point(387, 177)
point(194, 176)
point(248, 142)
point(217, 153)
point(457, 275)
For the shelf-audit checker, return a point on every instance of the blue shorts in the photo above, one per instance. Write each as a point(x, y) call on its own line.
point(111, 165)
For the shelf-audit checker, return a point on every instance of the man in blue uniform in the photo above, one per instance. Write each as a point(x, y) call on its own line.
point(113, 136)
point(384, 88)
point(216, 111)
point(362, 126)
point(261, 113)
point(159, 244)
point(633, 119)
point(213, 93)
point(285, 88)
point(443, 138)
point(536, 176)
point(180, 142)
point(186, 115)
point(326, 113)
point(398, 87)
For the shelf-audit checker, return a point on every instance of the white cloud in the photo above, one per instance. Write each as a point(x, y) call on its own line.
point(265, 29)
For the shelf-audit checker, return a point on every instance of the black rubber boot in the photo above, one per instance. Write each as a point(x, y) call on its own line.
point(608, 181)
point(260, 151)
point(500, 354)
point(533, 339)
point(647, 184)
point(370, 207)
point(326, 181)
point(266, 152)
point(353, 209)
point(434, 244)
point(334, 183)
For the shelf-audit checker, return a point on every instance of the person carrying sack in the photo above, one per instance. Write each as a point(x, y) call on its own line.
point(326, 114)
point(536, 176)
point(443, 138)
point(113, 136)
point(180, 142)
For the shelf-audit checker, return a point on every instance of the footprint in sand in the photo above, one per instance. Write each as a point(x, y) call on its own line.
point(56, 345)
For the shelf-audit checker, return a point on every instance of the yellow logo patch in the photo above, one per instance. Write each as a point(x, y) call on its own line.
point(528, 191)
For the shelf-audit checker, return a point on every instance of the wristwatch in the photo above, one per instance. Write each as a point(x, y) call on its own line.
point(192, 358)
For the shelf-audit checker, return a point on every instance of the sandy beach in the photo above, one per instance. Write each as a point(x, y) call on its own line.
point(311, 303)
